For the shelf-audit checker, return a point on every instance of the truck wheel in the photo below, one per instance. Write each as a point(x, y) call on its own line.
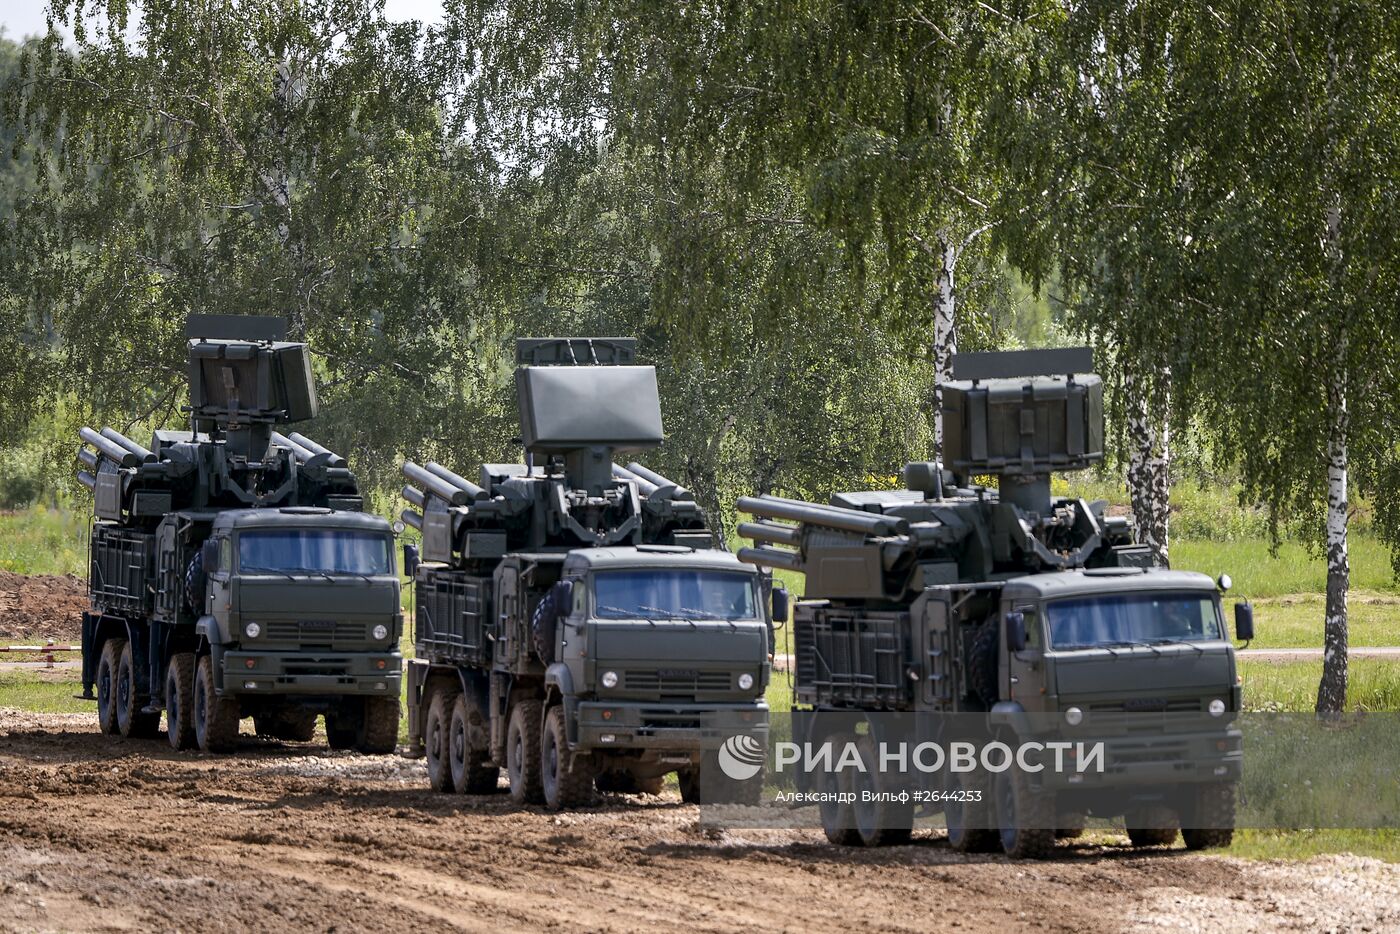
point(297, 726)
point(1151, 826)
point(651, 785)
point(107, 665)
point(834, 803)
point(1212, 814)
point(215, 717)
point(132, 723)
point(342, 727)
point(378, 734)
point(982, 666)
point(689, 781)
point(623, 782)
point(878, 822)
point(471, 772)
point(564, 786)
point(718, 788)
point(436, 741)
point(968, 814)
point(179, 701)
point(523, 753)
point(1025, 817)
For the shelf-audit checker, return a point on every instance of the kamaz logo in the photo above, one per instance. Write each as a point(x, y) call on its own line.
point(318, 624)
point(677, 672)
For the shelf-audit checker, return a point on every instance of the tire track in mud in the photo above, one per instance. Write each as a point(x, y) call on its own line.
point(97, 833)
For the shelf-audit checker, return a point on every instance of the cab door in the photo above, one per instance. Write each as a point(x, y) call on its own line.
point(1024, 672)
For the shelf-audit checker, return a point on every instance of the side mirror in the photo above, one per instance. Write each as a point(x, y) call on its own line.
point(780, 605)
point(209, 555)
point(410, 559)
point(1015, 631)
point(1244, 621)
point(564, 598)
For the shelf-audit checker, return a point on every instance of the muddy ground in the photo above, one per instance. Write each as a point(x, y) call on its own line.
point(97, 833)
point(41, 608)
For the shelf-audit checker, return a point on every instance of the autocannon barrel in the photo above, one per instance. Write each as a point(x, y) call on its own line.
point(302, 454)
point(413, 495)
point(644, 486)
point(771, 557)
point(848, 520)
point(412, 519)
point(651, 476)
point(335, 459)
point(109, 449)
point(460, 482)
point(435, 485)
point(142, 454)
point(770, 532)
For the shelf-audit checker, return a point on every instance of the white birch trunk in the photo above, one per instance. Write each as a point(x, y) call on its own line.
point(1149, 459)
point(1332, 690)
point(945, 333)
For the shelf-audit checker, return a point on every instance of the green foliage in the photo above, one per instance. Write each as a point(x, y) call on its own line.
point(41, 540)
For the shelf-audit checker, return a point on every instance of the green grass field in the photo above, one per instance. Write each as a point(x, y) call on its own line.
point(43, 541)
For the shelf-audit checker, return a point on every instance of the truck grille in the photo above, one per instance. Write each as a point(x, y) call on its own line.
point(677, 682)
point(315, 632)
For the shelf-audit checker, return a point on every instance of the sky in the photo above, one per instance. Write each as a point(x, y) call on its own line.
point(26, 17)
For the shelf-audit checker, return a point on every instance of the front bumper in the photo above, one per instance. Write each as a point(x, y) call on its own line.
point(320, 672)
point(1149, 759)
point(637, 725)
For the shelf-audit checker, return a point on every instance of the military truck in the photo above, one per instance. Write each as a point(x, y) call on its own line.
point(575, 622)
point(232, 571)
point(1012, 615)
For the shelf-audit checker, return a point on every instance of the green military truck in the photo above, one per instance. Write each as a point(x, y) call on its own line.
point(1013, 616)
point(575, 622)
point(232, 571)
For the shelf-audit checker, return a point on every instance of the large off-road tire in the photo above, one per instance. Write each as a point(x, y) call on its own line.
point(982, 666)
point(565, 785)
point(523, 753)
point(290, 724)
point(215, 718)
point(689, 782)
point(1151, 826)
point(343, 726)
point(878, 822)
point(1025, 817)
point(837, 816)
point(651, 785)
point(437, 731)
point(378, 734)
point(132, 722)
point(1211, 816)
point(968, 815)
point(1071, 826)
point(107, 664)
point(718, 788)
point(472, 773)
point(179, 701)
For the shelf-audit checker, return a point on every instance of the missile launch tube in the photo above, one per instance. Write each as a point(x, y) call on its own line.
point(88, 458)
point(302, 454)
point(87, 479)
point(109, 449)
point(412, 495)
point(848, 520)
point(770, 557)
point(461, 483)
point(117, 437)
point(431, 483)
point(412, 519)
point(770, 532)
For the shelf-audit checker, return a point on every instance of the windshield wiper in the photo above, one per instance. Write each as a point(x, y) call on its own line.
point(283, 571)
point(1129, 643)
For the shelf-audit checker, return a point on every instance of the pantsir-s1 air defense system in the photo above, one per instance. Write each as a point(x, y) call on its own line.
point(575, 622)
point(233, 573)
point(1029, 617)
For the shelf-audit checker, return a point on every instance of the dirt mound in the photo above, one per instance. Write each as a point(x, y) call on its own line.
point(41, 607)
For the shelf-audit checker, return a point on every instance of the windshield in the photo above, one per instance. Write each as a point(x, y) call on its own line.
point(318, 550)
point(1153, 619)
point(677, 594)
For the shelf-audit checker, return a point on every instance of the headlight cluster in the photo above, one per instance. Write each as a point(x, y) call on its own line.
point(745, 681)
point(609, 679)
point(252, 630)
point(381, 632)
point(1216, 707)
point(1074, 716)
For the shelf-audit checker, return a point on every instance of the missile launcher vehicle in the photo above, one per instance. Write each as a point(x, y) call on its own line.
point(575, 622)
point(1036, 618)
point(233, 572)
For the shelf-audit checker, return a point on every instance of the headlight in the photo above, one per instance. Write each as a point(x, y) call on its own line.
point(252, 630)
point(745, 681)
point(609, 679)
point(1074, 716)
point(381, 632)
point(1216, 707)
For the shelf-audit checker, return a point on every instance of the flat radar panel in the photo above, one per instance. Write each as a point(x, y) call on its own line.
point(564, 408)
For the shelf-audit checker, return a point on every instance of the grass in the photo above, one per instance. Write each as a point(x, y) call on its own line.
point(38, 540)
point(1305, 844)
point(1373, 684)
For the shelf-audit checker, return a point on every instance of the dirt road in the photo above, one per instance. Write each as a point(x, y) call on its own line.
point(101, 834)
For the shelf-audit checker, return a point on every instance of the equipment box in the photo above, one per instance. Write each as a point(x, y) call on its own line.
point(851, 658)
point(454, 610)
point(122, 562)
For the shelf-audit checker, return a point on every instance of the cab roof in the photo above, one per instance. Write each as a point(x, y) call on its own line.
point(666, 556)
point(300, 517)
point(1107, 580)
